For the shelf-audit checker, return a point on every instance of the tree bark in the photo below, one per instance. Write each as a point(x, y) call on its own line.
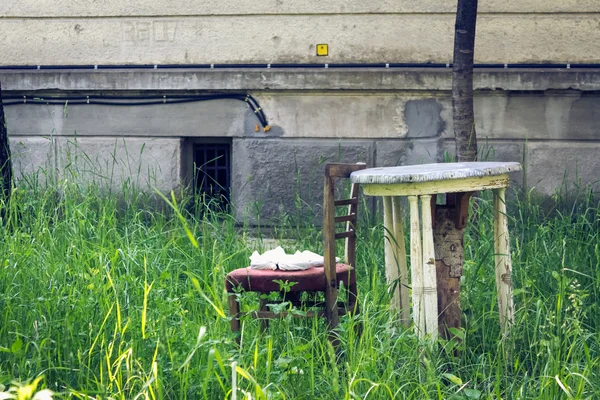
point(6, 175)
point(462, 81)
point(448, 235)
point(451, 218)
point(448, 262)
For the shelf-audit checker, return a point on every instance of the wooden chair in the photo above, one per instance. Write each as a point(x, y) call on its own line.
point(324, 279)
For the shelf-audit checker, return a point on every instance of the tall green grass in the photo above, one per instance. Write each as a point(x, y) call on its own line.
point(104, 295)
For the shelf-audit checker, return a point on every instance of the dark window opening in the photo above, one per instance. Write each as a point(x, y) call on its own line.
point(212, 174)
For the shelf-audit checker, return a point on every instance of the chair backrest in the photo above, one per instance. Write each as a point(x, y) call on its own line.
point(334, 172)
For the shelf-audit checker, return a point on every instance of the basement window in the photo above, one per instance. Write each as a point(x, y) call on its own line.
point(211, 166)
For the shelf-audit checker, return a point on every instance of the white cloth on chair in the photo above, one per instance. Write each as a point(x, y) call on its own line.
point(278, 259)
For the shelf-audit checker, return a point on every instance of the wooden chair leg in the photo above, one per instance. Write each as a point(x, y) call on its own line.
point(264, 322)
point(354, 309)
point(234, 312)
point(332, 314)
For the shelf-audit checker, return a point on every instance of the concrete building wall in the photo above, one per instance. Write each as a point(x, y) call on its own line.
point(381, 117)
point(56, 32)
point(114, 163)
point(545, 118)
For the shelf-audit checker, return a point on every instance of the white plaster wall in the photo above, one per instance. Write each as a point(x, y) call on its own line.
point(231, 31)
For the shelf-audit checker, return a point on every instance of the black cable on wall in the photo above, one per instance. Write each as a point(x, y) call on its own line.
point(129, 101)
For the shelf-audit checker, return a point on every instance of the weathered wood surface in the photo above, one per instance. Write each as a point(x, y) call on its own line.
point(433, 172)
point(437, 187)
point(416, 266)
point(329, 237)
point(429, 270)
point(350, 247)
point(396, 271)
point(337, 170)
point(401, 262)
point(449, 256)
point(503, 262)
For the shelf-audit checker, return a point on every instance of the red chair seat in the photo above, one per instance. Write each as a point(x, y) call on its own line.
point(308, 280)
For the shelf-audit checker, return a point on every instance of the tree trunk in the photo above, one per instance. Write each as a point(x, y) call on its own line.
point(6, 176)
point(462, 81)
point(451, 218)
point(448, 235)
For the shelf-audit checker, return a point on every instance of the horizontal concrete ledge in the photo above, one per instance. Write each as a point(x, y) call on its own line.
point(295, 79)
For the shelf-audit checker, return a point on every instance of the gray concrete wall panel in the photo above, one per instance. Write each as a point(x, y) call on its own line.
point(33, 158)
point(146, 163)
point(406, 152)
point(423, 118)
point(207, 118)
point(583, 117)
point(336, 115)
point(390, 129)
point(565, 115)
point(553, 166)
point(133, 8)
point(299, 115)
point(501, 38)
point(275, 177)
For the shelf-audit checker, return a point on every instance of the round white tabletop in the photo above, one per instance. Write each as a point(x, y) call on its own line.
point(432, 172)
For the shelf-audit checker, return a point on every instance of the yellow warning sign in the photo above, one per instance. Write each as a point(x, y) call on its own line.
point(322, 50)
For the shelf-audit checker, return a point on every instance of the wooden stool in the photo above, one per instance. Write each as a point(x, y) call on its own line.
point(421, 182)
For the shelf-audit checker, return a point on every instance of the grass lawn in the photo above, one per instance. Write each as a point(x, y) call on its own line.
point(106, 296)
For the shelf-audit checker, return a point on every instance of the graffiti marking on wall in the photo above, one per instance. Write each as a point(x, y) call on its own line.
point(145, 33)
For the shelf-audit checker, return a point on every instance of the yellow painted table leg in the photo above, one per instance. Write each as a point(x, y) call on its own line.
point(392, 272)
point(416, 267)
point(429, 271)
point(400, 257)
point(503, 262)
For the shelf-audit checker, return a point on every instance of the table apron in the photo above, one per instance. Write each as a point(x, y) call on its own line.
point(471, 184)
